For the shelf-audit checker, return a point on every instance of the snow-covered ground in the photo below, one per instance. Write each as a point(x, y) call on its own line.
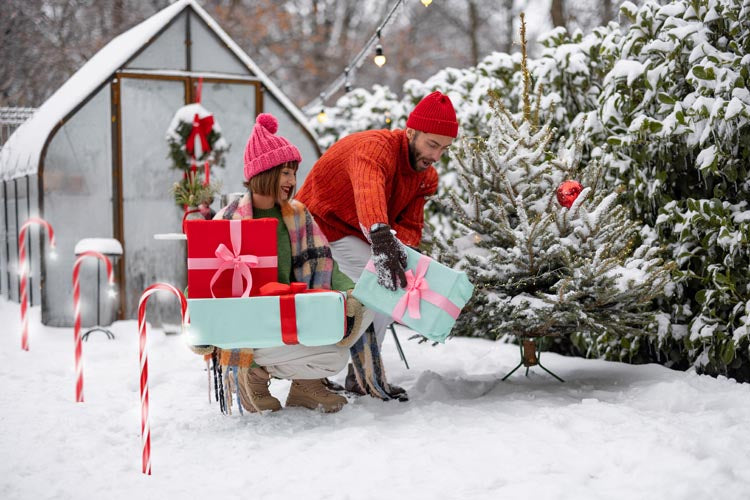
point(611, 431)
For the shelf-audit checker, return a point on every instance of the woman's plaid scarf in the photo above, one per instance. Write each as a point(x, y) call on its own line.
point(312, 264)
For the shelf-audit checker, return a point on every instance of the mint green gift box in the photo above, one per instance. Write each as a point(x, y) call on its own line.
point(255, 322)
point(431, 302)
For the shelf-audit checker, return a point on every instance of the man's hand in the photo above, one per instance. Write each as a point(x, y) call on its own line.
point(389, 258)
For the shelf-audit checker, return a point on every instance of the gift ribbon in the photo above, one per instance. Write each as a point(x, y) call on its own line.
point(418, 289)
point(232, 259)
point(287, 306)
point(201, 128)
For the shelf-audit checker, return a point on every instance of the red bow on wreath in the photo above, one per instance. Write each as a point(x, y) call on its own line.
point(201, 128)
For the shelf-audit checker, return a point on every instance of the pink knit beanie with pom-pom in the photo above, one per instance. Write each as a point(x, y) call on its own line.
point(265, 150)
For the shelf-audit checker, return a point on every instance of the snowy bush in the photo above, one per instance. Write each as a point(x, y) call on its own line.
point(663, 101)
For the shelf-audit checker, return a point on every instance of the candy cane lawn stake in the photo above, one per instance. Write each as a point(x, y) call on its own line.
point(25, 272)
point(77, 314)
point(145, 429)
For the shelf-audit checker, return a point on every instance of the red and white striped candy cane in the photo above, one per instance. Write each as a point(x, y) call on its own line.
point(77, 314)
point(25, 273)
point(145, 428)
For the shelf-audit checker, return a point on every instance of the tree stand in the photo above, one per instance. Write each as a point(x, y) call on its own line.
point(530, 354)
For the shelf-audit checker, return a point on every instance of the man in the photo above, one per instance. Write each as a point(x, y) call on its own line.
point(367, 193)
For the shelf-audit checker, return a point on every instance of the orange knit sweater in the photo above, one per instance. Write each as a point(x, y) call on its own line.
point(366, 178)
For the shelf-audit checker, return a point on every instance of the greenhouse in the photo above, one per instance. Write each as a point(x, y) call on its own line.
point(93, 160)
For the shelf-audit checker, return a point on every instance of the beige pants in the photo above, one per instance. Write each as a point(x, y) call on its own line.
point(302, 362)
point(352, 254)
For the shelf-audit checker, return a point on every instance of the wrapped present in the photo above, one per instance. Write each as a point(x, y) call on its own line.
point(230, 258)
point(431, 301)
point(282, 315)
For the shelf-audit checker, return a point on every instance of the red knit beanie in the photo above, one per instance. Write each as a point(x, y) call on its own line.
point(265, 150)
point(435, 115)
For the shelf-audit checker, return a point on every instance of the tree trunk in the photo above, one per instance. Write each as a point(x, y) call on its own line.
point(118, 15)
point(557, 11)
point(473, 32)
point(509, 20)
point(607, 15)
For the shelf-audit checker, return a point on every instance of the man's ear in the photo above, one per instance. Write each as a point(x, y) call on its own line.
point(410, 133)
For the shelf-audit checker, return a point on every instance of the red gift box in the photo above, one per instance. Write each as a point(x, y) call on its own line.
point(230, 258)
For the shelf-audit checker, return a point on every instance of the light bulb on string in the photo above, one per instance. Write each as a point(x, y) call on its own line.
point(379, 56)
point(322, 116)
point(387, 118)
point(347, 83)
point(426, 3)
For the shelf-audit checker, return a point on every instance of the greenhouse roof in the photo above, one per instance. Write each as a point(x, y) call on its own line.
point(22, 153)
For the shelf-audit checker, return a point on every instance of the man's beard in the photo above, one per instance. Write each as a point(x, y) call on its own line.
point(412, 154)
point(413, 159)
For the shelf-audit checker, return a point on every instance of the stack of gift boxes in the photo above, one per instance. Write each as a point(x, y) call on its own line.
point(235, 300)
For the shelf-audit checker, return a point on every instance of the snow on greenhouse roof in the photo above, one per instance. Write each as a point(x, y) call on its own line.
point(21, 154)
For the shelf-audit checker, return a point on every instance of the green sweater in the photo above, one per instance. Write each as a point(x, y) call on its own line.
point(339, 280)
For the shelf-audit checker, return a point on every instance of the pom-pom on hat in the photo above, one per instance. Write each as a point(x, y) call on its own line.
point(265, 150)
point(434, 114)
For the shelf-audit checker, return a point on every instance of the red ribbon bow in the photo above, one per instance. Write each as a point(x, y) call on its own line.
point(275, 288)
point(201, 128)
point(287, 306)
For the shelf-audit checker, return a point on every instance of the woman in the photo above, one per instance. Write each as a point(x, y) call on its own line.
point(271, 164)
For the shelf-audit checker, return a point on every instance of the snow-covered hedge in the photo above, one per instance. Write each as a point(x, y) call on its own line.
point(664, 98)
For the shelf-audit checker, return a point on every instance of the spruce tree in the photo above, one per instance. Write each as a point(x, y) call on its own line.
point(541, 269)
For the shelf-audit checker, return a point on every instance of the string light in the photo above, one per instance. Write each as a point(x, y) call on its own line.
point(347, 83)
point(379, 56)
point(426, 3)
point(355, 63)
point(388, 118)
point(322, 116)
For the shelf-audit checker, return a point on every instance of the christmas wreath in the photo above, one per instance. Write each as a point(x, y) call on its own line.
point(195, 145)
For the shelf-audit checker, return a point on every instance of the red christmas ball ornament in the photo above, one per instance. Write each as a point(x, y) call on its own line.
point(567, 192)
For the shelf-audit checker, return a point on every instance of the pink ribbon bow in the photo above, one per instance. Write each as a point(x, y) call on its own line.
point(416, 286)
point(231, 259)
point(418, 289)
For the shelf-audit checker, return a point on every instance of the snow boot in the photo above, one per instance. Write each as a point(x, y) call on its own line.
point(254, 393)
point(333, 386)
point(313, 394)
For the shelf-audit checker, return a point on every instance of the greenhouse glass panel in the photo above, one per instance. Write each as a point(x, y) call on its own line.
point(13, 236)
point(167, 51)
point(148, 203)
point(32, 238)
point(233, 106)
point(29, 207)
point(4, 242)
point(209, 53)
point(77, 183)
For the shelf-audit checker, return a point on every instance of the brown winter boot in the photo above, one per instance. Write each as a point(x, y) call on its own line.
point(313, 394)
point(254, 394)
